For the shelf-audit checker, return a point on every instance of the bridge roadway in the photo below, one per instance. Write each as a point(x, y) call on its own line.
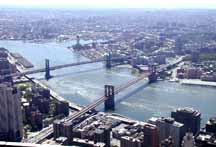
point(20, 74)
point(166, 66)
point(103, 98)
point(49, 130)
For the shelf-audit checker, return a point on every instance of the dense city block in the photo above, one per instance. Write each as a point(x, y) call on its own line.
point(156, 45)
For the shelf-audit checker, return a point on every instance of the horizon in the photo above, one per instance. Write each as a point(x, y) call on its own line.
point(111, 4)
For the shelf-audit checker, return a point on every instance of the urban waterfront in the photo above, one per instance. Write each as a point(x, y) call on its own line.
point(84, 84)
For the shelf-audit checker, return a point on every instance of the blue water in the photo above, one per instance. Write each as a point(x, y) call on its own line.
point(84, 84)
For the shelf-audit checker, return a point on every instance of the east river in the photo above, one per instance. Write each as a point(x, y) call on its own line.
point(84, 84)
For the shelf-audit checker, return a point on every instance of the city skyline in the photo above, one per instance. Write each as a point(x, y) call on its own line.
point(169, 4)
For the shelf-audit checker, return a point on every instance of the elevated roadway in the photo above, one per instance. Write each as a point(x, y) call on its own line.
point(41, 70)
point(49, 130)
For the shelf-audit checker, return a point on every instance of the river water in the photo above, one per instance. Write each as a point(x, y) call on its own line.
point(84, 84)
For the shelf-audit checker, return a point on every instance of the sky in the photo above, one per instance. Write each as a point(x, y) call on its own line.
point(113, 3)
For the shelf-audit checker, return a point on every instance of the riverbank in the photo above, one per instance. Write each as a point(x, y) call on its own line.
point(53, 94)
point(59, 98)
point(197, 82)
point(192, 82)
point(84, 84)
point(90, 54)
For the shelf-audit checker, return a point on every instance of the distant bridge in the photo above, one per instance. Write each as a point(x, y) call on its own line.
point(108, 59)
point(107, 99)
point(47, 68)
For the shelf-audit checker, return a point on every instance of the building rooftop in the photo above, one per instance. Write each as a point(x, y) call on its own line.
point(19, 144)
point(88, 143)
point(212, 121)
point(132, 138)
point(206, 137)
point(168, 141)
point(96, 124)
point(188, 110)
point(153, 119)
point(135, 132)
point(168, 120)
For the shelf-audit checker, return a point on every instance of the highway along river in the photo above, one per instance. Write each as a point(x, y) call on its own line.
point(84, 84)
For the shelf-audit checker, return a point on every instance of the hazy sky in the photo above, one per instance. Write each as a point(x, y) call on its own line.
point(114, 3)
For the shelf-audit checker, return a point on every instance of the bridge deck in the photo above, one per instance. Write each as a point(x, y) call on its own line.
point(89, 107)
point(19, 74)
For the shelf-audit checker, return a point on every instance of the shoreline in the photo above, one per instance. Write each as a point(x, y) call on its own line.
point(197, 82)
point(53, 94)
point(73, 106)
point(124, 118)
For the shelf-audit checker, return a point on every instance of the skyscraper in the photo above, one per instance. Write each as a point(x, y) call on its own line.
point(5, 68)
point(189, 117)
point(11, 128)
point(168, 127)
point(211, 125)
point(205, 139)
point(150, 136)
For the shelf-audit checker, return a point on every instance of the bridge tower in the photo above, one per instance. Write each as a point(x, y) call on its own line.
point(153, 74)
point(110, 95)
point(47, 69)
point(78, 40)
point(108, 61)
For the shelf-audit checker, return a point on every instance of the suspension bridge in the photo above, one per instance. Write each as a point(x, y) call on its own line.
point(109, 94)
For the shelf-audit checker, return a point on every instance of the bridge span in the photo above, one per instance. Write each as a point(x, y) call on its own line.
point(104, 98)
point(108, 97)
point(49, 68)
point(49, 130)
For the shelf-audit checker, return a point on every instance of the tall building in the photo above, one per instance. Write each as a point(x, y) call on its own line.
point(41, 91)
point(103, 135)
point(62, 129)
point(11, 128)
point(193, 73)
point(42, 103)
point(188, 140)
point(5, 68)
point(62, 108)
point(205, 139)
point(168, 127)
point(36, 120)
point(189, 117)
point(150, 135)
point(211, 125)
